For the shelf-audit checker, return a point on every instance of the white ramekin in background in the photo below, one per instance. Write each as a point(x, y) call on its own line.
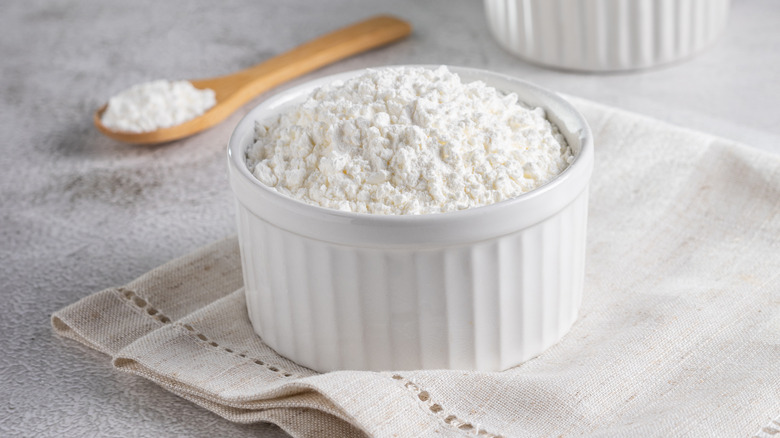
point(482, 289)
point(605, 35)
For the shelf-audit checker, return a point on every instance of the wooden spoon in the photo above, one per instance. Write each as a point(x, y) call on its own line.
point(232, 91)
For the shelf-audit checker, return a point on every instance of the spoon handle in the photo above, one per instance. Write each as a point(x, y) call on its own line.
point(236, 89)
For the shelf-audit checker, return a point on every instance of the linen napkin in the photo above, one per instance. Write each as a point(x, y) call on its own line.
point(678, 335)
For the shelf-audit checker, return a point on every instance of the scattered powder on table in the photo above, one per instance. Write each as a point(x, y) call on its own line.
point(158, 104)
point(407, 140)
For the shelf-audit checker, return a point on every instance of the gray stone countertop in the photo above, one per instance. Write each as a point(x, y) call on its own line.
point(81, 212)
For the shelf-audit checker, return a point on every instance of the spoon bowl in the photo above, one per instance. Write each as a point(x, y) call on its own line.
point(234, 90)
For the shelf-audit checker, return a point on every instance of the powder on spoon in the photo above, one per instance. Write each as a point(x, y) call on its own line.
point(158, 104)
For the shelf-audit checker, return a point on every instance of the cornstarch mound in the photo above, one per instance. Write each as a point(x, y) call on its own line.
point(407, 140)
point(158, 104)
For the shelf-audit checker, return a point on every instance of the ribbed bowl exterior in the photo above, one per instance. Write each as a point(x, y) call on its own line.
point(605, 35)
point(478, 289)
point(483, 306)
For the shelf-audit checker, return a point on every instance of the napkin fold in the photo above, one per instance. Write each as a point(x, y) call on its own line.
point(678, 335)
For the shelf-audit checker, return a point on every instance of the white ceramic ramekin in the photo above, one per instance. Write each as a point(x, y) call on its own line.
point(481, 289)
point(605, 35)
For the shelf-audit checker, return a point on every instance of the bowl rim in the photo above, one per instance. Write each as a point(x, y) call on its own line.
point(242, 180)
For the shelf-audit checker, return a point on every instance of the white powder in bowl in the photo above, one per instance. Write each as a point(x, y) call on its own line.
point(407, 140)
point(158, 104)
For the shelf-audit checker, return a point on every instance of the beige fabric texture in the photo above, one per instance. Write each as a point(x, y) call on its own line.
point(678, 335)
